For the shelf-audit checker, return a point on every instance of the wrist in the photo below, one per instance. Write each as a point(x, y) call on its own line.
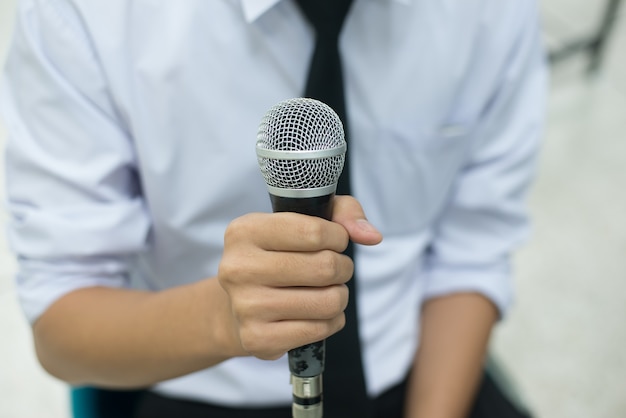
point(219, 337)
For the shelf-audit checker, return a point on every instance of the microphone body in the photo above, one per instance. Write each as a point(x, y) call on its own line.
point(306, 363)
point(301, 150)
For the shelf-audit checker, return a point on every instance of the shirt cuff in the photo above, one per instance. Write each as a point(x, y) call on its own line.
point(41, 283)
point(492, 281)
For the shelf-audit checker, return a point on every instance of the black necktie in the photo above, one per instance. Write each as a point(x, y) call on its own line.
point(344, 383)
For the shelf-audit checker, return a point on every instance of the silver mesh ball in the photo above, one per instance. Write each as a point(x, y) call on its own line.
point(301, 125)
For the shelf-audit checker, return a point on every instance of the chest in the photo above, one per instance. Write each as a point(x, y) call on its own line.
point(197, 83)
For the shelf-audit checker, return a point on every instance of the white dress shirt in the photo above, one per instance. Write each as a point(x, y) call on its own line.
point(131, 146)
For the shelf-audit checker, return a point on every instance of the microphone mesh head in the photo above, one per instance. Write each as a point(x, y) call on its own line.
point(301, 125)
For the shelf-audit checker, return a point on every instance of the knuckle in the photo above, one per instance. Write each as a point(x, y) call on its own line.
point(324, 329)
point(255, 341)
point(314, 331)
point(231, 271)
point(349, 267)
point(333, 302)
point(239, 311)
point(312, 232)
point(326, 303)
point(339, 323)
point(226, 270)
point(270, 356)
point(328, 265)
point(246, 308)
point(251, 339)
point(343, 295)
point(333, 268)
point(240, 228)
point(233, 230)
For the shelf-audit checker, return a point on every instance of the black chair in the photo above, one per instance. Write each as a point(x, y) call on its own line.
point(89, 402)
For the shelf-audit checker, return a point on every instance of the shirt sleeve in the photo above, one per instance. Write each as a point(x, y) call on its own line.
point(73, 195)
point(485, 218)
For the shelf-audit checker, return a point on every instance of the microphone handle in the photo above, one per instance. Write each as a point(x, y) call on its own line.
point(320, 206)
point(306, 363)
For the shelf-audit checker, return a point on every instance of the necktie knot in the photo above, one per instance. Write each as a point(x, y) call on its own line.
point(326, 16)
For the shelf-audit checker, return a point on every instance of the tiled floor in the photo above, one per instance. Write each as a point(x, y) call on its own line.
point(565, 341)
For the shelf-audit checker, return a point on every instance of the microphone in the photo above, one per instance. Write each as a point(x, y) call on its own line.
point(301, 151)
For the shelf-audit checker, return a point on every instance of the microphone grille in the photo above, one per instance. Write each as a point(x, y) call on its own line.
point(301, 125)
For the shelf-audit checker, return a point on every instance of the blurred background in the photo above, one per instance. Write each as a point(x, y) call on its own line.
point(564, 343)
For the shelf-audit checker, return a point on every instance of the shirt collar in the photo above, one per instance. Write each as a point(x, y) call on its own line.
point(253, 9)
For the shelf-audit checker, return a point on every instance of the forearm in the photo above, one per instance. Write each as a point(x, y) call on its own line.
point(124, 338)
point(281, 285)
point(449, 363)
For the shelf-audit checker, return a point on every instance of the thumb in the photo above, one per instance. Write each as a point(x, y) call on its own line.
point(347, 211)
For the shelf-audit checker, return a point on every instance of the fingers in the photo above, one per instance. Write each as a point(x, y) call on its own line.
point(295, 303)
point(272, 321)
point(285, 275)
point(287, 269)
point(285, 279)
point(274, 339)
point(349, 214)
point(287, 231)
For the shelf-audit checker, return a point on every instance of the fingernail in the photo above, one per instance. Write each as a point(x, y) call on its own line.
point(366, 226)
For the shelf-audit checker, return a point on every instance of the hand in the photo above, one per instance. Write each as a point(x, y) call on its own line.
point(285, 275)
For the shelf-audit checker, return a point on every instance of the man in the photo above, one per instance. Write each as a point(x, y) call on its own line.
point(148, 256)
